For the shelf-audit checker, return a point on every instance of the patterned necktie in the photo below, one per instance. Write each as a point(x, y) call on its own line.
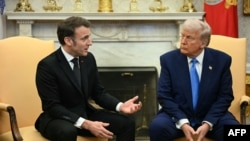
point(194, 82)
point(76, 70)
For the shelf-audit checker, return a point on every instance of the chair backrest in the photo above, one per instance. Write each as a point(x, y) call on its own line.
point(19, 56)
point(236, 48)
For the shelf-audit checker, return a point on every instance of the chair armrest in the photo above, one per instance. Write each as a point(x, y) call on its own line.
point(13, 122)
point(244, 102)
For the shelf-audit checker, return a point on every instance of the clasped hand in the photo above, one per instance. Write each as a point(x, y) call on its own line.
point(200, 133)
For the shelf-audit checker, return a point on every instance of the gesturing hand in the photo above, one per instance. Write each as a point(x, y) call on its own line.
point(130, 106)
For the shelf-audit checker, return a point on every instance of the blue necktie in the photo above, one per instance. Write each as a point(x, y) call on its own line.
point(194, 82)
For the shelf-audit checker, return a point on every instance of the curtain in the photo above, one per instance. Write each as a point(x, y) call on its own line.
point(221, 15)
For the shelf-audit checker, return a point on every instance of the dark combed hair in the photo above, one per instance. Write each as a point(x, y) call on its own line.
point(67, 27)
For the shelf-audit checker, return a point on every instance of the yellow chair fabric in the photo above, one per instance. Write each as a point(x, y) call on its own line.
point(19, 100)
point(236, 48)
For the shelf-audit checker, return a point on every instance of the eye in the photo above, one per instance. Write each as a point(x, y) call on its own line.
point(85, 38)
point(187, 37)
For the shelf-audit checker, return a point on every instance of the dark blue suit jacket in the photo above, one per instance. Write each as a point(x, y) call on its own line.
point(215, 91)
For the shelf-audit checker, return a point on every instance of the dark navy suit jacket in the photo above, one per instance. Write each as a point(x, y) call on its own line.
point(215, 91)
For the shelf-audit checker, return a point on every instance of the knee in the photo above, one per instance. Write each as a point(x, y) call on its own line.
point(159, 129)
point(155, 129)
point(67, 132)
point(155, 126)
point(125, 125)
point(125, 121)
point(129, 124)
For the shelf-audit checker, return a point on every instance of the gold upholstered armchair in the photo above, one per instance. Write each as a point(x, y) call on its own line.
point(236, 47)
point(19, 102)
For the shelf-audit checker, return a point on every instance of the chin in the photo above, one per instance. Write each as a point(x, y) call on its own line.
point(183, 51)
point(85, 53)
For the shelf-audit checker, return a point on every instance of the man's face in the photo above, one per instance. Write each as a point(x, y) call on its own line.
point(190, 43)
point(81, 41)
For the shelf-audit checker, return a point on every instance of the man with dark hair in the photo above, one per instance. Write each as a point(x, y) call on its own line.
point(67, 80)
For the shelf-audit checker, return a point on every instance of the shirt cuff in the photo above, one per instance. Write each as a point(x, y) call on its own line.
point(79, 122)
point(181, 122)
point(118, 106)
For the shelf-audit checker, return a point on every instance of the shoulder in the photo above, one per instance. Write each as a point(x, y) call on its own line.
point(171, 54)
point(217, 57)
point(217, 53)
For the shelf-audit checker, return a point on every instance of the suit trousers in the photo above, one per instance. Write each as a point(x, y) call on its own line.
point(122, 126)
point(163, 128)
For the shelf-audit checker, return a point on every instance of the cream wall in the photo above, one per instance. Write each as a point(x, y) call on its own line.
point(119, 6)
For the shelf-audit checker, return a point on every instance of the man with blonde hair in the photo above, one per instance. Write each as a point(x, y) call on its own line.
point(194, 88)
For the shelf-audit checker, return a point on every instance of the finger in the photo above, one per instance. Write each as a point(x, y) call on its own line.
point(194, 132)
point(104, 124)
point(140, 104)
point(200, 138)
point(135, 98)
point(105, 130)
point(103, 135)
point(107, 134)
point(189, 137)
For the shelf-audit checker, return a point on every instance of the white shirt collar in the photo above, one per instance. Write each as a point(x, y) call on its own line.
point(199, 58)
point(67, 55)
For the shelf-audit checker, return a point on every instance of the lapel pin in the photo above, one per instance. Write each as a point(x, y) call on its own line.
point(210, 67)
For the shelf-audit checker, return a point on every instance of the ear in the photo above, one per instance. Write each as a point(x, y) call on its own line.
point(68, 41)
point(204, 43)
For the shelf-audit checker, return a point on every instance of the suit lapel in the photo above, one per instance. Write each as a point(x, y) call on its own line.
point(207, 75)
point(84, 73)
point(183, 69)
point(67, 69)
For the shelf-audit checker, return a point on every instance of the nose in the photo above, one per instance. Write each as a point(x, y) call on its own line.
point(183, 40)
point(89, 41)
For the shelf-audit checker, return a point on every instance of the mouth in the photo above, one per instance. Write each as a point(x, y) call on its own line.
point(184, 48)
point(85, 51)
